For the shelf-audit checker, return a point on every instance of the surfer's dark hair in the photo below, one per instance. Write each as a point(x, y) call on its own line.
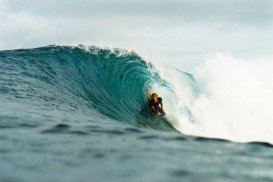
point(159, 99)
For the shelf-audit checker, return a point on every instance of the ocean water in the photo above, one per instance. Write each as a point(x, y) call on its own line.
point(73, 114)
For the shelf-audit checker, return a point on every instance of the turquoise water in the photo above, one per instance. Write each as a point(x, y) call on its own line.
point(72, 113)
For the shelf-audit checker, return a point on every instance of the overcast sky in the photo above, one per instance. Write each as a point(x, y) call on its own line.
point(176, 32)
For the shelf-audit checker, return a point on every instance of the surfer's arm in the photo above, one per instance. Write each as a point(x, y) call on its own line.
point(155, 112)
point(153, 109)
point(148, 94)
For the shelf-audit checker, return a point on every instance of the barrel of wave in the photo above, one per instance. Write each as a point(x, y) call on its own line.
point(178, 92)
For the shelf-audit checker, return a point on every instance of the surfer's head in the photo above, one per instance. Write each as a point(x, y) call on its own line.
point(154, 96)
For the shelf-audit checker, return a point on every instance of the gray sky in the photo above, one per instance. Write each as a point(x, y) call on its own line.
point(175, 32)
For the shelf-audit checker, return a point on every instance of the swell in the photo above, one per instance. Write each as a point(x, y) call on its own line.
point(73, 79)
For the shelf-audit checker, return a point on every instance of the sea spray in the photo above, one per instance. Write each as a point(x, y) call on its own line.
point(233, 99)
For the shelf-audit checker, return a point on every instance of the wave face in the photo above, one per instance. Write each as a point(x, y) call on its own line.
point(112, 82)
point(226, 98)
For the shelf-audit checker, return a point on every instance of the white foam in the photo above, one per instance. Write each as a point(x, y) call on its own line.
point(235, 102)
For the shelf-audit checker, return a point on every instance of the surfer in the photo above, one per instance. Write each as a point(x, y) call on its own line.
point(155, 104)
